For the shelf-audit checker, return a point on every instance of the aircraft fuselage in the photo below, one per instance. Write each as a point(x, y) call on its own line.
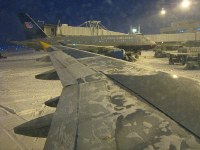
point(126, 42)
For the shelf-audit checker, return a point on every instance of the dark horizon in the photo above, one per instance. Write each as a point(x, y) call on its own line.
point(115, 15)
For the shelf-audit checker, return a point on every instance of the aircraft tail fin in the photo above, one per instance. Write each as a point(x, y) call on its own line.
point(32, 29)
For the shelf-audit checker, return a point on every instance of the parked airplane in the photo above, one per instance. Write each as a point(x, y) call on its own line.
point(130, 43)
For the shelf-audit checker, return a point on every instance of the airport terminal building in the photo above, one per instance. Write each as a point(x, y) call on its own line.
point(178, 31)
point(66, 30)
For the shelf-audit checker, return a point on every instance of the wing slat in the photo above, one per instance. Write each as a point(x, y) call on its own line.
point(68, 68)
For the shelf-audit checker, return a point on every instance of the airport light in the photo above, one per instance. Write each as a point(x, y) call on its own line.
point(175, 76)
point(134, 30)
point(163, 12)
point(185, 3)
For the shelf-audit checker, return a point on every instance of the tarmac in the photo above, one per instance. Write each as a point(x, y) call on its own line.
point(22, 98)
point(148, 60)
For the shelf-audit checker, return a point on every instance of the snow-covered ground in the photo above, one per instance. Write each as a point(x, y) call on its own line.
point(148, 60)
point(22, 98)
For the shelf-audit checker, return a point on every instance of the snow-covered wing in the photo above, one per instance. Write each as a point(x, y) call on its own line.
point(69, 69)
point(95, 112)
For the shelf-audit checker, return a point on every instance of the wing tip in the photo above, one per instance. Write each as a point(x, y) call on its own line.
point(44, 45)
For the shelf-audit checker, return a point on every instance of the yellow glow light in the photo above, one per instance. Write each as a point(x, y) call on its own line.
point(185, 3)
point(45, 46)
point(175, 76)
point(163, 11)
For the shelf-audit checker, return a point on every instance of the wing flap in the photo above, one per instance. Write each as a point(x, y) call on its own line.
point(81, 120)
point(96, 130)
point(63, 127)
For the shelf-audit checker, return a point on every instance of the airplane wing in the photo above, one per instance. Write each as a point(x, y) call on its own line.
point(112, 104)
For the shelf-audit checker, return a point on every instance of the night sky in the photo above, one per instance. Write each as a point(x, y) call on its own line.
point(116, 15)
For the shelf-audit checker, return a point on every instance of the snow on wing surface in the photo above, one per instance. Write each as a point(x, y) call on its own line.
point(95, 113)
